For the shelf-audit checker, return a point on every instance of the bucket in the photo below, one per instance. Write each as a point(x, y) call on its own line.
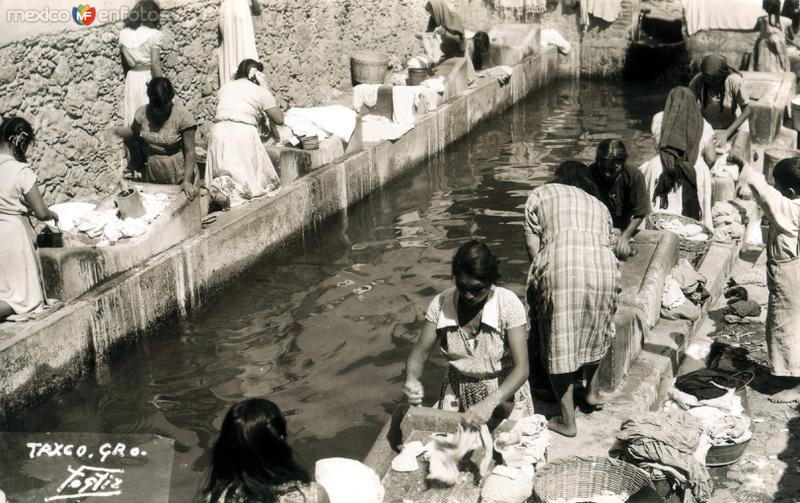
point(796, 113)
point(417, 76)
point(773, 156)
point(50, 238)
point(368, 67)
point(310, 142)
point(130, 204)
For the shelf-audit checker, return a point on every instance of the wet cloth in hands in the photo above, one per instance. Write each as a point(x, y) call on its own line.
point(671, 439)
point(448, 450)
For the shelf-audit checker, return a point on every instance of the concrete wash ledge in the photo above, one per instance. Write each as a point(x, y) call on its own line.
point(42, 357)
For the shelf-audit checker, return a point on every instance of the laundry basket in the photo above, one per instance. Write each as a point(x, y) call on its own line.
point(368, 67)
point(587, 477)
point(691, 250)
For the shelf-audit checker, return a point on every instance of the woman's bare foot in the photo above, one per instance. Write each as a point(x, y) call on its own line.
point(787, 395)
point(594, 401)
point(558, 425)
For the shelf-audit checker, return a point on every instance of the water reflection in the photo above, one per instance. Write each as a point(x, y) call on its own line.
point(324, 328)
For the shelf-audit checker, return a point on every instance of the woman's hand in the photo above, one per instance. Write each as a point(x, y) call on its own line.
point(720, 139)
point(414, 391)
point(479, 414)
point(623, 248)
point(50, 215)
point(189, 189)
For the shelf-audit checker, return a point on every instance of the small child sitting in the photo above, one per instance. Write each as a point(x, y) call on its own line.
point(782, 206)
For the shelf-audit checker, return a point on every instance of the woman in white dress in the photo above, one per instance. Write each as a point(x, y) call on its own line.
point(237, 162)
point(140, 42)
point(21, 288)
point(238, 37)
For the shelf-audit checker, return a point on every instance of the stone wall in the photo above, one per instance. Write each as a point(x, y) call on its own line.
point(69, 84)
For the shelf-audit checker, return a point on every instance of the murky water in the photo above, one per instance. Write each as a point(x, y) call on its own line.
point(324, 329)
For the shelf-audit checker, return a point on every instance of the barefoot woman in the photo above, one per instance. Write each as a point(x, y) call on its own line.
point(572, 284)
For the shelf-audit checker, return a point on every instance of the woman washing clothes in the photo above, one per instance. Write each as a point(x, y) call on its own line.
point(769, 53)
point(166, 131)
point(140, 43)
point(21, 289)
point(237, 162)
point(449, 26)
point(622, 189)
point(723, 100)
point(573, 285)
point(678, 179)
point(481, 331)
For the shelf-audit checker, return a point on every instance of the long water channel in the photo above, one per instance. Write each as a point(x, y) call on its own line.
point(324, 328)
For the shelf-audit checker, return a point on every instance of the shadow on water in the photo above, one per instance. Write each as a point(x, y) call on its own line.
point(324, 326)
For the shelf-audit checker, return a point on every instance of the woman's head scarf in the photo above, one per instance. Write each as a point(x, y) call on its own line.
point(713, 68)
point(441, 15)
point(678, 148)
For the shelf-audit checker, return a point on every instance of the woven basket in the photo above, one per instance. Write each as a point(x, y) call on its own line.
point(691, 250)
point(368, 67)
point(578, 477)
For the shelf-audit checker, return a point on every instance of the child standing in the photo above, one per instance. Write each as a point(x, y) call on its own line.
point(782, 205)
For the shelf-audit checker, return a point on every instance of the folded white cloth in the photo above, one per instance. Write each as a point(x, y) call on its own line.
point(553, 37)
point(379, 128)
point(321, 121)
point(365, 94)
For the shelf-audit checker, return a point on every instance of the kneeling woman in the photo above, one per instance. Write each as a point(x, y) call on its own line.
point(238, 164)
point(165, 131)
point(678, 178)
point(20, 279)
point(573, 284)
point(481, 330)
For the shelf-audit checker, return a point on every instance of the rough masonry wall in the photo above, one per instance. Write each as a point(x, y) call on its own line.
point(70, 84)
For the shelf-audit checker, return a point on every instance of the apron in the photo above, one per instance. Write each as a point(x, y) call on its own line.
point(783, 316)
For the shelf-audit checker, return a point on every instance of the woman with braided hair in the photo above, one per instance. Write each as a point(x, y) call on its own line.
point(21, 288)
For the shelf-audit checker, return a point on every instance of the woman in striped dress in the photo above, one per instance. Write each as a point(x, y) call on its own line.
point(573, 284)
